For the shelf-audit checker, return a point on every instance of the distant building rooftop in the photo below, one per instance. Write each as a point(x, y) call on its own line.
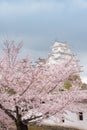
point(60, 44)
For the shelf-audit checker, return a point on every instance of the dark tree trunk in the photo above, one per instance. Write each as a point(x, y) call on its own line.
point(21, 126)
point(19, 123)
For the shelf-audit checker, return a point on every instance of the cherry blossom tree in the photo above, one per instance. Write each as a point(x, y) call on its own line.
point(30, 93)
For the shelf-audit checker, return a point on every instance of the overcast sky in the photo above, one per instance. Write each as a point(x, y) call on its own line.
point(38, 23)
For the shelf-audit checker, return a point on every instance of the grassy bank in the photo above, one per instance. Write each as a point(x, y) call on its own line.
point(51, 128)
point(47, 127)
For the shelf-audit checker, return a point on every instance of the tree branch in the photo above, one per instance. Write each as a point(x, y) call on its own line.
point(8, 113)
point(31, 118)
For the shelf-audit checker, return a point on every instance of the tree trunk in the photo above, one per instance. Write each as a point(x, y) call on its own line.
point(21, 126)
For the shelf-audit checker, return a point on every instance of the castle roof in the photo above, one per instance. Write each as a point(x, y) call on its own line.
point(60, 44)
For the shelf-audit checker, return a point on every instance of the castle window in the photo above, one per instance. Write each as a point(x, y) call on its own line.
point(80, 116)
point(63, 119)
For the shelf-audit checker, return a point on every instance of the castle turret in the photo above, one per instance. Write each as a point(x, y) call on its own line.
point(60, 52)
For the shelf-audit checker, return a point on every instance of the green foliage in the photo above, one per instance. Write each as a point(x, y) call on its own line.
point(11, 92)
point(51, 128)
point(67, 85)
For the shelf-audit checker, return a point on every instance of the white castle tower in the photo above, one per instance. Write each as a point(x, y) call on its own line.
point(60, 52)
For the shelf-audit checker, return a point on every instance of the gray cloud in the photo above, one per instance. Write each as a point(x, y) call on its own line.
point(39, 23)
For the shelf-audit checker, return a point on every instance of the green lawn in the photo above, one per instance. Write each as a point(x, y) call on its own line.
point(51, 128)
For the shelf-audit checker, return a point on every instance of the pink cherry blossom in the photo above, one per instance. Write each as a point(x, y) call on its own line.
point(35, 90)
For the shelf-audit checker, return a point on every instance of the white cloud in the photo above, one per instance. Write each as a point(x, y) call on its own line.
point(29, 7)
point(78, 4)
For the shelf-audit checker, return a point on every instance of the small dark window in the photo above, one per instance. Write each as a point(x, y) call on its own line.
point(63, 119)
point(80, 116)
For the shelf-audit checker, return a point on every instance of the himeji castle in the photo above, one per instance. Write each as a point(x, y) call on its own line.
point(60, 52)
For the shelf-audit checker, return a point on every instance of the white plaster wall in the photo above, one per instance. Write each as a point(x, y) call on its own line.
point(72, 119)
